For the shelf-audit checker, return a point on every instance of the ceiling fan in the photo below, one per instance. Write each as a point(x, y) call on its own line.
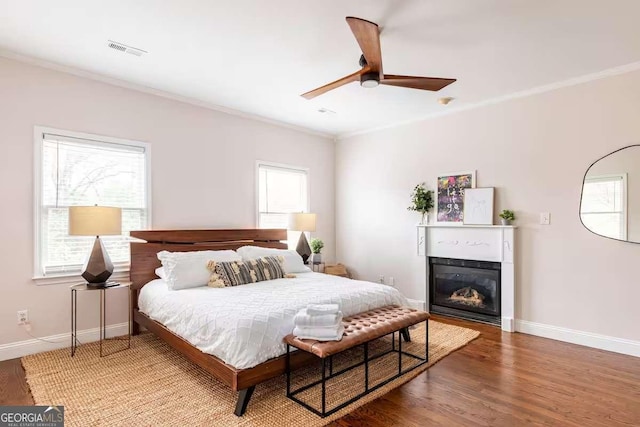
point(370, 75)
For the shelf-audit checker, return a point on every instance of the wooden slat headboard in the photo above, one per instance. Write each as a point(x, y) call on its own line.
point(144, 258)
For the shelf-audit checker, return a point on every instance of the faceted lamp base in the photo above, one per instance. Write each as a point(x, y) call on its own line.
point(98, 267)
point(303, 248)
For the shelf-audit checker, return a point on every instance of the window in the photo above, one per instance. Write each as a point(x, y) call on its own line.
point(281, 191)
point(603, 208)
point(83, 170)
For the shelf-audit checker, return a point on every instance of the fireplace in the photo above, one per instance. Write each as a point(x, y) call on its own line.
point(485, 255)
point(465, 288)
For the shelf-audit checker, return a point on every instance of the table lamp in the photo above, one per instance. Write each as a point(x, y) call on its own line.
point(96, 221)
point(303, 222)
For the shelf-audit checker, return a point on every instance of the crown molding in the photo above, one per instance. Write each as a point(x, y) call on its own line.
point(4, 53)
point(611, 72)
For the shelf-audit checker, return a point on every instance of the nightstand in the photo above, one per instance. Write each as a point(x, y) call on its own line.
point(82, 287)
point(337, 270)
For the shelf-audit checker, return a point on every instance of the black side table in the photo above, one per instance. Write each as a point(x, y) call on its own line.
point(82, 287)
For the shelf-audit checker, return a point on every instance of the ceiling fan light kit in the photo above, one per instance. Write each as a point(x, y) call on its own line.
point(367, 35)
point(369, 80)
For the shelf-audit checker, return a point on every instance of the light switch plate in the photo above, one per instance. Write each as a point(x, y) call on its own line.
point(545, 218)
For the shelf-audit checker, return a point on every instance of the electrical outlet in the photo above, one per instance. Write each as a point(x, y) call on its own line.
point(23, 317)
point(392, 281)
point(545, 218)
point(381, 279)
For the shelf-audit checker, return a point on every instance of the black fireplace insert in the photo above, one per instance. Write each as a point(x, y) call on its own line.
point(465, 288)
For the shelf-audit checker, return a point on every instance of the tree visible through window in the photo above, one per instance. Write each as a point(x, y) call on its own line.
point(281, 191)
point(85, 172)
point(603, 207)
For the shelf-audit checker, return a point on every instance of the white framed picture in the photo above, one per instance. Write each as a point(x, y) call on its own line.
point(450, 195)
point(478, 206)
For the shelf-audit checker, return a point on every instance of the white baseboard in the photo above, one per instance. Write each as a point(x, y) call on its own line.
point(417, 304)
point(23, 348)
point(602, 342)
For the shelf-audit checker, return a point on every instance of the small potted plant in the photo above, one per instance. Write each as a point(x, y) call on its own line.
point(507, 216)
point(421, 201)
point(316, 247)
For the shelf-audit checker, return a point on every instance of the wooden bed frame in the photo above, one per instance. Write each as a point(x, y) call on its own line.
point(143, 264)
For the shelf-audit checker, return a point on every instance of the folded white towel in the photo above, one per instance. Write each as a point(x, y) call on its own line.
point(319, 334)
point(304, 319)
point(320, 309)
point(327, 330)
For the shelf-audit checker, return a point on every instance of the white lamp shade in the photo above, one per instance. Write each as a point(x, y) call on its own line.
point(302, 222)
point(94, 221)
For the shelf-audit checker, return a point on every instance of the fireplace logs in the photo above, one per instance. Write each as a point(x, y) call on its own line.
point(468, 296)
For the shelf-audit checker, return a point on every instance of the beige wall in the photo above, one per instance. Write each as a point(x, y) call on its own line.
point(535, 151)
point(203, 164)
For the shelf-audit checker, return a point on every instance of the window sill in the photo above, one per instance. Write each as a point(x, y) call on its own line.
point(71, 279)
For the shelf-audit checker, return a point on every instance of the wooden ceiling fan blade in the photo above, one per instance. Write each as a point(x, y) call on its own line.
point(367, 34)
point(334, 85)
point(425, 83)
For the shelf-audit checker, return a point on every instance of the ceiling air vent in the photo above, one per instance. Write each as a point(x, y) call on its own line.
point(326, 111)
point(124, 48)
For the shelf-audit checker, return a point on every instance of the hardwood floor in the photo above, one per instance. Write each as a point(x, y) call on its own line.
point(13, 384)
point(499, 379)
point(503, 379)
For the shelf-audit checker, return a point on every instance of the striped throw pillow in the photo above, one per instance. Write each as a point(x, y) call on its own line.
point(234, 273)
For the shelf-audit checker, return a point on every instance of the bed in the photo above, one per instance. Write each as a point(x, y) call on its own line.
point(235, 334)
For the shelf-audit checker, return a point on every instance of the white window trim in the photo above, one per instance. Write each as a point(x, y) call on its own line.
point(120, 272)
point(610, 177)
point(277, 166)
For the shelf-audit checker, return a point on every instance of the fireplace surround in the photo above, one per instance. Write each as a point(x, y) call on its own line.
point(479, 247)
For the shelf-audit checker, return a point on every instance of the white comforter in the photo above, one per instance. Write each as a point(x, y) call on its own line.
point(244, 325)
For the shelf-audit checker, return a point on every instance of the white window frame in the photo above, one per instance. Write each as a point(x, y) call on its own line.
point(612, 177)
point(278, 166)
point(121, 271)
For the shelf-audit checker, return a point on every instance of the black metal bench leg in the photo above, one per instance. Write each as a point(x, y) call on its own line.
point(405, 334)
point(426, 340)
point(324, 387)
point(243, 400)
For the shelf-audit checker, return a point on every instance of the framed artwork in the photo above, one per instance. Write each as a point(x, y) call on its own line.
point(478, 206)
point(451, 188)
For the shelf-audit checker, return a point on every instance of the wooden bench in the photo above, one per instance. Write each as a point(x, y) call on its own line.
point(360, 329)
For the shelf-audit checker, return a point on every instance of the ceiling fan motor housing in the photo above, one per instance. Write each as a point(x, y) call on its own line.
point(367, 35)
point(369, 79)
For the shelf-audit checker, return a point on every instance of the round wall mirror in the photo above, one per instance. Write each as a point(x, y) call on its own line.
point(610, 203)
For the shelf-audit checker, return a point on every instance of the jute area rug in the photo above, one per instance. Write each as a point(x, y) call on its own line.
point(153, 385)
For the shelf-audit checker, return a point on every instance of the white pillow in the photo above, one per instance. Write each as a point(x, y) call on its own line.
point(189, 269)
point(292, 260)
point(160, 273)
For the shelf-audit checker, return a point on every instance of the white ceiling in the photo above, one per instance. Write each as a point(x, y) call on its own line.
point(258, 56)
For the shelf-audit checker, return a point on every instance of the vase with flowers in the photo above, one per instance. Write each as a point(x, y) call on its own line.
point(316, 248)
point(421, 201)
point(507, 216)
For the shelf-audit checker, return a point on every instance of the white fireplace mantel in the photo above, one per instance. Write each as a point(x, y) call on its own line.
point(493, 243)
